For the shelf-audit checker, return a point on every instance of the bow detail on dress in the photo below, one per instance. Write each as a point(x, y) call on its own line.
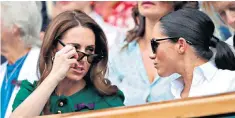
point(81, 106)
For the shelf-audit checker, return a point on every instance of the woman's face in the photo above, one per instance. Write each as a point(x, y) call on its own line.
point(154, 9)
point(226, 11)
point(70, 5)
point(6, 36)
point(9, 35)
point(83, 39)
point(62, 6)
point(166, 56)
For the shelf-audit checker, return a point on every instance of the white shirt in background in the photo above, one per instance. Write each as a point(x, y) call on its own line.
point(113, 34)
point(27, 72)
point(207, 80)
point(230, 41)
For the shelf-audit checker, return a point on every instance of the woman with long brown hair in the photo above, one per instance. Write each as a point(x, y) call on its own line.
point(72, 65)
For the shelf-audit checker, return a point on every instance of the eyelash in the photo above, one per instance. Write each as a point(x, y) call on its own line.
point(222, 13)
point(76, 47)
point(90, 49)
point(232, 8)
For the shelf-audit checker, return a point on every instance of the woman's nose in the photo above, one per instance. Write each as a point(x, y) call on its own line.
point(152, 56)
point(230, 18)
point(84, 59)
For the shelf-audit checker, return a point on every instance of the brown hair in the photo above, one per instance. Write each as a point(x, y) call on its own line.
point(58, 26)
point(139, 30)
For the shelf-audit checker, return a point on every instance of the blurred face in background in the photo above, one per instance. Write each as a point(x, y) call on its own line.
point(61, 6)
point(5, 35)
point(226, 10)
point(154, 9)
point(8, 35)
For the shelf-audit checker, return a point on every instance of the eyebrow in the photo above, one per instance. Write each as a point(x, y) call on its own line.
point(91, 46)
point(78, 45)
point(74, 44)
point(231, 4)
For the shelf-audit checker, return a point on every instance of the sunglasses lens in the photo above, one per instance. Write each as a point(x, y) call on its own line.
point(154, 46)
point(80, 55)
point(91, 58)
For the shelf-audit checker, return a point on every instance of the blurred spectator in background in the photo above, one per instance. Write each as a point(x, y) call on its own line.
point(116, 13)
point(226, 11)
point(45, 18)
point(112, 33)
point(20, 28)
point(224, 32)
point(130, 67)
point(3, 59)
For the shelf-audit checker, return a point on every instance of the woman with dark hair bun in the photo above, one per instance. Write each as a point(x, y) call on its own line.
point(182, 42)
point(130, 67)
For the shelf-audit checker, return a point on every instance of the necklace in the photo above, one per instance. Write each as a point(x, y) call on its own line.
point(11, 74)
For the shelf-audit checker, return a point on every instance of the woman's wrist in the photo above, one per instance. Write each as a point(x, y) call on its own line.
point(53, 78)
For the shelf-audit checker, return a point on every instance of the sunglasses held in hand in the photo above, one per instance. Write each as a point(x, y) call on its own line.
point(91, 58)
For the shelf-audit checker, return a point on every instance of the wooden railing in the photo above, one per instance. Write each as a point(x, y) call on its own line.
point(189, 107)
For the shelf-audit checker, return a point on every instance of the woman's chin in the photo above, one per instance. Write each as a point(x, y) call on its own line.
point(75, 74)
point(75, 77)
point(163, 74)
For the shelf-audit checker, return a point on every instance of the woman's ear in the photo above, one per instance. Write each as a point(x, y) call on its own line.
point(182, 45)
point(54, 50)
point(16, 32)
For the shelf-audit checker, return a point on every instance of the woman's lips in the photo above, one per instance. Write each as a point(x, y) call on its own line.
point(147, 3)
point(63, 2)
point(79, 69)
point(155, 65)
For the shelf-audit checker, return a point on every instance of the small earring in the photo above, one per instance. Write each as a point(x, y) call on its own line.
point(52, 58)
point(136, 27)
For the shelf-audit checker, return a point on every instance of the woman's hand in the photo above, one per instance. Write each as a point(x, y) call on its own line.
point(64, 59)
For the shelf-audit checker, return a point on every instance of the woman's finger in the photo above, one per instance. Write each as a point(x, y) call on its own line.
point(66, 49)
point(71, 53)
point(73, 61)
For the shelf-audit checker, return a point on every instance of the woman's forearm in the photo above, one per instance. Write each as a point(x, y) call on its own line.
point(34, 104)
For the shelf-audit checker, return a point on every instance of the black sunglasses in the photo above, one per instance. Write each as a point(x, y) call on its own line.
point(91, 58)
point(155, 44)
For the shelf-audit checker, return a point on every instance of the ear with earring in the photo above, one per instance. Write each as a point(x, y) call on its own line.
point(136, 28)
point(52, 58)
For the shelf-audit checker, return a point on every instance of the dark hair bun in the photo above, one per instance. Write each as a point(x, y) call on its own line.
point(185, 4)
